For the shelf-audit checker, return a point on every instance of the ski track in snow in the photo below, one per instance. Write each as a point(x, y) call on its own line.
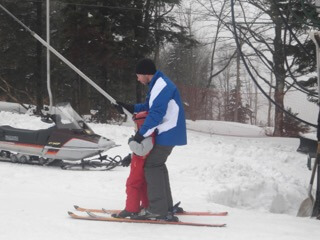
point(259, 181)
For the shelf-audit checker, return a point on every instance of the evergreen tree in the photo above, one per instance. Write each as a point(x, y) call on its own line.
point(231, 108)
point(21, 58)
point(293, 127)
point(187, 66)
point(104, 39)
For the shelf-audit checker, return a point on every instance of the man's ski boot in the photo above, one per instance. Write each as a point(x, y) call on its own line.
point(176, 209)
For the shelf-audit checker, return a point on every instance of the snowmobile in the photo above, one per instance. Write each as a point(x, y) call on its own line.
point(68, 140)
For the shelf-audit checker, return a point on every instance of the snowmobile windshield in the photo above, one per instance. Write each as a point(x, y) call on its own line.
point(66, 117)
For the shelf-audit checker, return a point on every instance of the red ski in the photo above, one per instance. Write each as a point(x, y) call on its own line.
point(110, 211)
point(95, 217)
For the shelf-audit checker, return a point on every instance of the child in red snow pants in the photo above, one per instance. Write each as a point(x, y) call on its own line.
point(136, 185)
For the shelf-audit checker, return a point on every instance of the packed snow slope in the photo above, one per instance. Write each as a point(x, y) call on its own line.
point(259, 180)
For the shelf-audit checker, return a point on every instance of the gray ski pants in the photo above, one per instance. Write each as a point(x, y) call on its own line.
point(158, 185)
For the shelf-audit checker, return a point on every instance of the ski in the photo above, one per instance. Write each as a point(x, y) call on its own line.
point(94, 217)
point(112, 211)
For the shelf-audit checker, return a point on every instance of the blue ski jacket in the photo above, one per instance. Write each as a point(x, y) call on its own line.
point(166, 115)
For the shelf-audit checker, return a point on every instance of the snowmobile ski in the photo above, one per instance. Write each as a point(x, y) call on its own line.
point(110, 211)
point(102, 164)
point(95, 217)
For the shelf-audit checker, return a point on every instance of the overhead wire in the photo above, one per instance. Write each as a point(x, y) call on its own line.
point(247, 41)
point(290, 30)
point(259, 53)
point(251, 75)
point(262, 40)
point(194, 12)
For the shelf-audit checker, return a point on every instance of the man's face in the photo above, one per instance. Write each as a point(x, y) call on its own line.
point(144, 79)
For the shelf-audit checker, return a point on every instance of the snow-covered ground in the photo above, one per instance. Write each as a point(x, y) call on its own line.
point(259, 180)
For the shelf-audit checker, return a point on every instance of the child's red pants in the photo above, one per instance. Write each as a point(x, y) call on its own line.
point(136, 186)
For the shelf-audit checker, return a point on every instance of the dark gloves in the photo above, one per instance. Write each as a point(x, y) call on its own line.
point(126, 161)
point(138, 138)
point(120, 105)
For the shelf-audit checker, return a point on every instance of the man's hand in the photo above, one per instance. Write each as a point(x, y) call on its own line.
point(126, 161)
point(138, 138)
point(120, 105)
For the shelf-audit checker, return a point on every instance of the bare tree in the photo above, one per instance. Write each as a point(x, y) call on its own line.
point(14, 94)
point(270, 39)
point(262, 33)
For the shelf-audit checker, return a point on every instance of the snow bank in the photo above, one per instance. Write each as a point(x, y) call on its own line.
point(13, 107)
point(23, 121)
point(225, 128)
point(265, 174)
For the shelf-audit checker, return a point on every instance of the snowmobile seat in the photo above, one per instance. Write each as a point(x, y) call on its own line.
point(39, 137)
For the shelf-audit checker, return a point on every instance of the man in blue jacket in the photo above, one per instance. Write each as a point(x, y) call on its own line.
point(166, 118)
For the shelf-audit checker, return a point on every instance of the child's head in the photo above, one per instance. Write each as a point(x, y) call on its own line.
point(138, 119)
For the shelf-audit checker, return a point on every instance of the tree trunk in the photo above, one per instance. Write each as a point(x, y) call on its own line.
point(270, 104)
point(255, 104)
point(279, 71)
point(141, 39)
point(238, 84)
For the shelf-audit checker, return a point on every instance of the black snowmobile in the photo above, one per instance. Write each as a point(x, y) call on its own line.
point(68, 142)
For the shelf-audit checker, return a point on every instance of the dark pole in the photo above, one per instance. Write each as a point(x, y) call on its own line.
point(38, 74)
point(316, 207)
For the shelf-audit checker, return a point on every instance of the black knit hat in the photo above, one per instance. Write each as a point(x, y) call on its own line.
point(146, 67)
